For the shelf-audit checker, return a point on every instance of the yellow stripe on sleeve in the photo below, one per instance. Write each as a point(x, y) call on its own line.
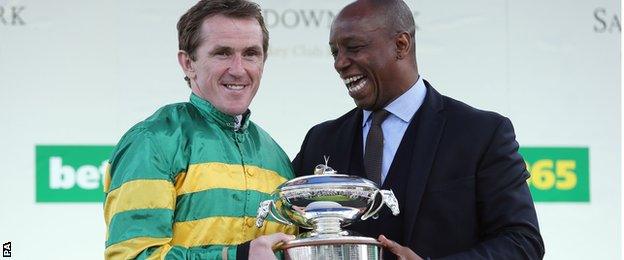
point(129, 249)
point(140, 194)
point(206, 176)
point(223, 231)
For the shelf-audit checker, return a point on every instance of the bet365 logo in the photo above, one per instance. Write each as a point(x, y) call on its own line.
point(558, 174)
point(70, 173)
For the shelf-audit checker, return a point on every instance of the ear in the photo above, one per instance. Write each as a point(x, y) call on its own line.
point(403, 43)
point(186, 63)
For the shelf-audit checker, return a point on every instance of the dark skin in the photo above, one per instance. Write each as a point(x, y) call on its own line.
point(402, 252)
point(381, 60)
point(378, 65)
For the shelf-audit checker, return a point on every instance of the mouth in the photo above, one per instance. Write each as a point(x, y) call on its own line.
point(235, 87)
point(355, 84)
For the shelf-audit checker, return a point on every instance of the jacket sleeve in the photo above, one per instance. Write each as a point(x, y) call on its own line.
point(507, 218)
point(140, 203)
point(297, 163)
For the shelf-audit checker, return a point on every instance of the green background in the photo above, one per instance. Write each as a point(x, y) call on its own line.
point(78, 155)
point(580, 193)
point(74, 156)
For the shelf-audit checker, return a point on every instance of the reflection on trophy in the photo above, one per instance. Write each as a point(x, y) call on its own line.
point(325, 202)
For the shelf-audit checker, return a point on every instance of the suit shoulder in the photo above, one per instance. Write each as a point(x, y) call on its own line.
point(335, 124)
point(455, 109)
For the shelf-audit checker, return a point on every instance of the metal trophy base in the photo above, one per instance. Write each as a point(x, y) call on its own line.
point(333, 248)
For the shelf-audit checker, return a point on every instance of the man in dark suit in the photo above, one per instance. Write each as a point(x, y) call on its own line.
point(455, 170)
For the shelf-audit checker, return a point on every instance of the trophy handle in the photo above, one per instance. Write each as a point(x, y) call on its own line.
point(390, 200)
point(372, 210)
point(265, 209)
point(387, 198)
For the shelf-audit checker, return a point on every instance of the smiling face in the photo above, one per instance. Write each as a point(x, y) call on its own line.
point(228, 63)
point(365, 57)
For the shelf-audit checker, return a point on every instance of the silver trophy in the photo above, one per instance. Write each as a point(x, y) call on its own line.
point(325, 202)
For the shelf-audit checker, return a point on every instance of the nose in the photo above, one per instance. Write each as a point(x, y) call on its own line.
point(341, 62)
point(236, 66)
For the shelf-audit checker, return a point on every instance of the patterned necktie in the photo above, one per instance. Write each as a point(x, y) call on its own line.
point(373, 152)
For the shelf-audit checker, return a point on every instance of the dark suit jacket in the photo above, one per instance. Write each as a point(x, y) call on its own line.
point(466, 195)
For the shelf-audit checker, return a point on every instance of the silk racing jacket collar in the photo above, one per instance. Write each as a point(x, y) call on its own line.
point(222, 119)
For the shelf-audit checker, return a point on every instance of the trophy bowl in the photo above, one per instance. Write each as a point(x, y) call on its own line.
point(325, 202)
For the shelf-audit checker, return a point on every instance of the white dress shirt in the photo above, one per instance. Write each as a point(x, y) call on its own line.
point(401, 111)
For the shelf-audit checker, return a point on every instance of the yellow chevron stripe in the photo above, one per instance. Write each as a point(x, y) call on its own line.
point(139, 194)
point(160, 253)
point(223, 231)
point(129, 249)
point(107, 178)
point(206, 176)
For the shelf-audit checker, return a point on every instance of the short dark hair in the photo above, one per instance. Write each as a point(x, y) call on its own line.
point(402, 20)
point(398, 16)
point(190, 23)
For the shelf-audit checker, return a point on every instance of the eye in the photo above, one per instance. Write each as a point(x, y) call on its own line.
point(354, 48)
point(222, 54)
point(252, 53)
point(334, 52)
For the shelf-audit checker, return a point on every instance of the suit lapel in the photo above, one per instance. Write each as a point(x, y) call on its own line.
point(429, 132)
point(345, 149)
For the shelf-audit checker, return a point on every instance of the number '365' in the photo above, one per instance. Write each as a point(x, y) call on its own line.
point(546, 174)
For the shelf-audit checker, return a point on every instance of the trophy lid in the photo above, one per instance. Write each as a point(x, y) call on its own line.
point(327, 180)
point(324, 177)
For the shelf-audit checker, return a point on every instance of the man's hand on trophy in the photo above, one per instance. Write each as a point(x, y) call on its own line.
point(402, 252)
point(262, 247)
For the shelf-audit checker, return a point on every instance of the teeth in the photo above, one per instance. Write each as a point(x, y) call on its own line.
point(352, 79)
point(357, 87)
point(235, 87)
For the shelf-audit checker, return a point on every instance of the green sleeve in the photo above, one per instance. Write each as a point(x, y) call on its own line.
point(140, 203)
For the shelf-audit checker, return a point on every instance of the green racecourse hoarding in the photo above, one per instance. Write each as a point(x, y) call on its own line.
point(74, 173)
point(70, 173)
point(558, 174)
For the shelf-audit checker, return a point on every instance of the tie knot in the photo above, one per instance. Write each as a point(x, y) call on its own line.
point(379, 116)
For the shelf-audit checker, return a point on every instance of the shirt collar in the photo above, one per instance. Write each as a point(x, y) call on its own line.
point(235, 123)
point(406, 105)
